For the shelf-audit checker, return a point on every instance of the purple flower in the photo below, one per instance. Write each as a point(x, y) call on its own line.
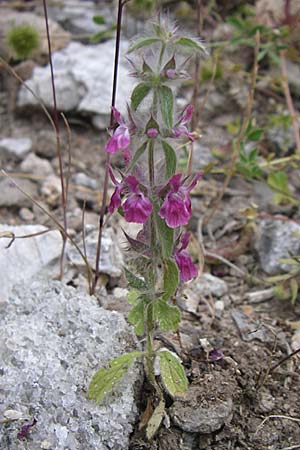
point(187, 269)
point(171, 73)
point(120, 139)
point(180, 128)
point(176, 208)
point(152, 133)
point(137, 206)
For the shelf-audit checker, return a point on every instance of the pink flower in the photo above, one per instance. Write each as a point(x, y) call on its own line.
point(187, 269)
point(180, 128)
point(152, 133)
point(137, 206)
point(176, 208)
point(120, 139)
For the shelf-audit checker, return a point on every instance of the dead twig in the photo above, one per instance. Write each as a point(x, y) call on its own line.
point(289, 100)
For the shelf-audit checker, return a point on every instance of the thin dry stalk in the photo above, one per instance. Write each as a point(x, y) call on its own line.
point(237, 142)
point(58, 142)
point(292, 419)
point(121, 4)
point(59, 226)
point(289, 100)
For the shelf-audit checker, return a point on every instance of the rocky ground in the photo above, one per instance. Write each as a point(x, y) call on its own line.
point(236, 335)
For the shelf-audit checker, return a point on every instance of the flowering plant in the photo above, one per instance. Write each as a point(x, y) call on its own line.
point(150, 192)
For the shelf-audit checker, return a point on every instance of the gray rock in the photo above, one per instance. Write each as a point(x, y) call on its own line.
point(53, 339)
point(37, 166)
point(208, 284)
point(51, 190)
point(26, 214)
point(111, 261)
point(277, 239)
point(26, 257)
point(205, 416)
point(250, 329)
point(83, 80)
point(12, 197)
point(45, 144)
point(77, 17)
point(81, 179)
point(14, 148)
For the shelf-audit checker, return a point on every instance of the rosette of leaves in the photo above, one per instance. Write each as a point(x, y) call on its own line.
point(23, 40)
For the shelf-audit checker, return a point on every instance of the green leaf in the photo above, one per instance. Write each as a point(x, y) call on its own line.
point(171, 279)
point(134, 281)
point(136, 317)
point(99, 20)
point(105, 380)
point(137, 155)
point(167, 316)
point(191, 44)
point(172, 374)
point(155, 420)
point(143, 42)
point(255, 135)
point(171, 160)
point(138, 94)
point(166, 101)
point(278, 181)
point(166, 237)
point(133, 296)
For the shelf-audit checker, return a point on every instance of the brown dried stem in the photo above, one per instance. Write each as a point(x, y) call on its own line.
point(289, 100)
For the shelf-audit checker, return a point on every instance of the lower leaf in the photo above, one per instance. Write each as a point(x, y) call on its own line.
point(172, 374)
point(105, 379)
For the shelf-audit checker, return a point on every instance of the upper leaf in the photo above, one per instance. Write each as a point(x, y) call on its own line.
point(166, 101)
point(166, 236)
point(191, 44)
point(138, 94)
point(171, 279)
point(105, 379)
point(172, 374)
point(143, 42)
point(170, 157)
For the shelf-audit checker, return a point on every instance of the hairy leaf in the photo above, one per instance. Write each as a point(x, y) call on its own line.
point(143, 42)
point(105, 379)
point(171, 279)
point(191, 44)
point(172, 374)
point(166, 237)
point(138, 94)
point(136, 317)
point(167, 316)
point(137, 155)
point(170, 157)
point(155, 420)
point(134, 281)
point(166, 101)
